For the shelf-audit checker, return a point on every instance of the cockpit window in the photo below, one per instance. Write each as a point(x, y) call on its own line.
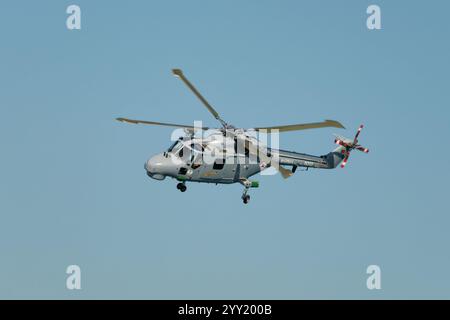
point(196, 155)
point(183, 152)
point(175, 147)
point(172, 146)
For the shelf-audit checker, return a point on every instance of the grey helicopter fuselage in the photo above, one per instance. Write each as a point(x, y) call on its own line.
point(218, 159)
point(211, 160)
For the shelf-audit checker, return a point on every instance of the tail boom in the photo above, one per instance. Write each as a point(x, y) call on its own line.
point(331, 160)
point(295, 159)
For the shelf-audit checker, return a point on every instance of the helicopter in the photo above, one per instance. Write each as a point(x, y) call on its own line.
point(233, 155)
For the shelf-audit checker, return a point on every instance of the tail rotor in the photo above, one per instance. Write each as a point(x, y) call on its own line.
point(349, 145)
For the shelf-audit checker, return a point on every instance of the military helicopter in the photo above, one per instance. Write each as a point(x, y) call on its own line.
point(233, 155)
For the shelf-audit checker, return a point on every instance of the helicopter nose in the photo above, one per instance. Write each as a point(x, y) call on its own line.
point(148, 166)
point(156, 167)
point(152, 165)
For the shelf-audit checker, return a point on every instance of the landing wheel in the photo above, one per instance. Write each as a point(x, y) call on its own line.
point(182, 187)
point(246, 199)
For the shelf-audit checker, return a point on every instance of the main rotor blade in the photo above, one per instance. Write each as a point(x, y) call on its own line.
point(158, 123)
point(303, 126)
point(178, 73)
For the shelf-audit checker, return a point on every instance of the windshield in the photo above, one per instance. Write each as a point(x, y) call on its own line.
point(175, 146)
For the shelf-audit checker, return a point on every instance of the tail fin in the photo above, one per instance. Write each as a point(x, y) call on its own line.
point(335, 157)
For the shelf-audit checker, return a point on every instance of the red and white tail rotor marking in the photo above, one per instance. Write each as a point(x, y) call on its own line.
point(350, 146)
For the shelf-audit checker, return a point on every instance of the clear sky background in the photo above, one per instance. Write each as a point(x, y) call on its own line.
point(73, 189)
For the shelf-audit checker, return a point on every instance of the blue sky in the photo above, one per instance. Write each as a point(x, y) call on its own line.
point(74, 191)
